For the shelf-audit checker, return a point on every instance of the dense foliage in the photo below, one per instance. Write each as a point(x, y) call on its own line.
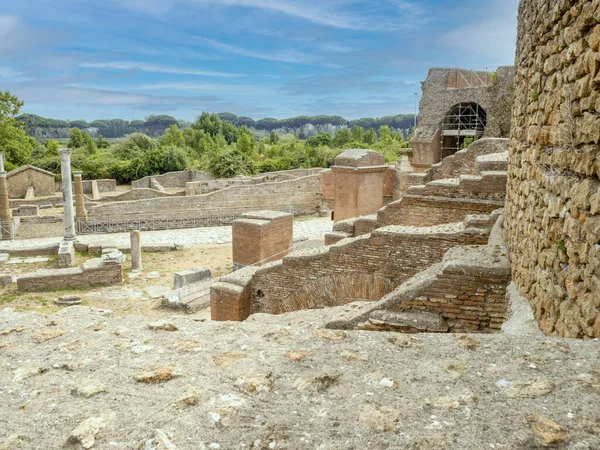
point(218, 146)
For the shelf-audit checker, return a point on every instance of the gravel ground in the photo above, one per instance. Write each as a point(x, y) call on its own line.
point(303, 229)
point(83, 378)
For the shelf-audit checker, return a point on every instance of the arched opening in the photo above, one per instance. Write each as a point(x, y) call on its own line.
point(463, 124)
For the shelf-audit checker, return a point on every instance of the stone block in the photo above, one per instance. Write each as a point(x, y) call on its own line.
point(27, 210)
point(95, 191)
point(5, 280)
point(66, 254)
point(191, 276)
point(30, 194)
point(359, 158)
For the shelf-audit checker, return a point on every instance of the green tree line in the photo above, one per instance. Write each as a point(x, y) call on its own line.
point(209, 143)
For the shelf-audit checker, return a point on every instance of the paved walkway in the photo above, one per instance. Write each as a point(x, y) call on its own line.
point(305, 229)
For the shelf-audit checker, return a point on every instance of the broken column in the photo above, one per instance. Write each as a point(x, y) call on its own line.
point(359, 183)
point(5, 213)
point(260, 237)
point(80, 212)
point(66, 250)
point(136, 251)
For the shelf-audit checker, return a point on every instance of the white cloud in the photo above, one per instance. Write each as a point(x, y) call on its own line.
point(7, 25)
point(289, 56)
point(238, 89)
point(144, 67)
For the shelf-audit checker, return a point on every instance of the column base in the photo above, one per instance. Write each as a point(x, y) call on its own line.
point(66, 254)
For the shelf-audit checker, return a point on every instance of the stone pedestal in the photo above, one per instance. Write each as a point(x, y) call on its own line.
point(5, 213)
point(69, 218)
point(80, 212)
point(136, 251)
point(66, 254)
point(261, 237)
point(360, 177)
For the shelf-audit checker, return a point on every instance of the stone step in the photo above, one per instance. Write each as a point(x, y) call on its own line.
point(405, 322)
point(495, 162)
point(190, 298)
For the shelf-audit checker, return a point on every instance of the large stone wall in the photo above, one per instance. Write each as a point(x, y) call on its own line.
point(104, 185)
point(172, 179)
point(302, 196)
point(553, 199)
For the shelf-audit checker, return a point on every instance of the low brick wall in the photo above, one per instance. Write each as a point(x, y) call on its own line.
point(92, 272)
point(467, 290)
point(416, 210)
point(104, 185)
point(173, 179)
point(139, 194)
point(302, 196)
point(388, 256)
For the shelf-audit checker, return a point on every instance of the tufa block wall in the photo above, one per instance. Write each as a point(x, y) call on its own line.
point(552, 213)
point(19, 180)
point(261, 237)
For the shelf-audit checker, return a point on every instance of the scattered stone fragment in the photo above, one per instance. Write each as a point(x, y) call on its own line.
point(256, 383)
point(12, 442)
point(466, 341)
point(403, 340)
point(319, 383)
point(163, 325)
point(159, 375)
point(188, 345)
point(225, 360)
point(141, 348)
point(14, 329)
point(45, 334)
point(5, 280)
point(547, 431)
point(85, 433)
point(161, 441)
point(589, 382)
point(88, 388)
point(452, 402)
point(68, 300)
point(389, 383)
point(455, 370)
point(28, 371)
point(297, 356)
point(330, 335)
point(346, 354)
point(530, 389)
point(378, 418)
point(190, 397)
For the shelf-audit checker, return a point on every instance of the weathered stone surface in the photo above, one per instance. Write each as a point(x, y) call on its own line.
point(68, 300)
point(551, 223)
point(546, 430)
point(359, 158)
point(5, 280)
point(88, 388)
point(45, 334)
point(66, 254)
point(158, 375)
point(162, 325)
point(86, 431)
point(190, 276)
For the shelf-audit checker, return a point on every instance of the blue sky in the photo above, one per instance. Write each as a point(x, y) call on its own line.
point(93, 59)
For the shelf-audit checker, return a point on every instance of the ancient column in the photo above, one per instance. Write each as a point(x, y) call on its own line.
point(65, 168)
point(80, 212)
point(5, 214)
point(2, 161)
point(136, 251)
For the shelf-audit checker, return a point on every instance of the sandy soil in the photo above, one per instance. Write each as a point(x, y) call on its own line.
point(128, 298)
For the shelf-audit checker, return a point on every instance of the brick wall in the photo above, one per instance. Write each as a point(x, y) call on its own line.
point(261, 237)
point(302, 195)
point(358, 191)
point(413, 210)
point(552, 223)
point(382, 260)
point(139, 194)
point(93, 272)
point(173, 179)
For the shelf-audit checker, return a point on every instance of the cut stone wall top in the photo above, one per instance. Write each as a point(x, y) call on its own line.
point(265, 215)
point(358, 157)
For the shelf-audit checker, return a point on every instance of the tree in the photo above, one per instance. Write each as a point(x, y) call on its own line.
point(342, 137)
point(230, 163)
point(133, 145)
point(209, 123)
point(101, 142)
point(245, 143)
point(358, 133)
point(52, 145)
point(14, 140)
point(273, 138)
point(76, 138)
point(385, 134)
point(173, 136)
point(319, 140)
point(370, 137)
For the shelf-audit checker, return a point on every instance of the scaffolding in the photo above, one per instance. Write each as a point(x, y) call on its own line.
point(463, 121)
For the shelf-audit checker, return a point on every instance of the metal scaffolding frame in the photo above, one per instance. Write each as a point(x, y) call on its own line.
point(463, 120)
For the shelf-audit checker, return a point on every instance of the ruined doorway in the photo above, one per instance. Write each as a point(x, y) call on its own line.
point(462, 124)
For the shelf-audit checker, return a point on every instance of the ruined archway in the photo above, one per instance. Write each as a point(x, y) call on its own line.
point(464, 122)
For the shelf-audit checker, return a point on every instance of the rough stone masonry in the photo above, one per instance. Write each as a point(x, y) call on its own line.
point(553, 194)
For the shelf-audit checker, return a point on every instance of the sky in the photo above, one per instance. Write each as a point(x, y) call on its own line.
point(99, 59)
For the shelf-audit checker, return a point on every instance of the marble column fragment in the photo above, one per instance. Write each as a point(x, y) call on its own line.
point(136, 251)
